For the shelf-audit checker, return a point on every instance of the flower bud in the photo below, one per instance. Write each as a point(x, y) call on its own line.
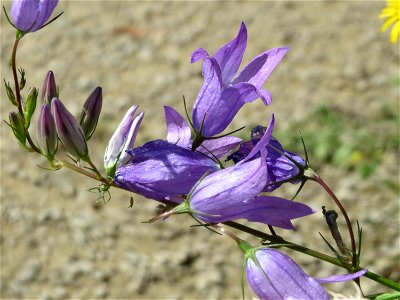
point(17, 126)
point(91, 112)
point(30, 105)
point(31, 15)
point(68, 130)
point(10, 93)
point(123, 139)
point(46, 132)
point(49, 89)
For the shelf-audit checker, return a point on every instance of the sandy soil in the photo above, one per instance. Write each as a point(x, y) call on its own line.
point(57, 242)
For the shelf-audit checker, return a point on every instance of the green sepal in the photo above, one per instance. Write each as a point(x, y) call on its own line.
point(10, 93)
point(30, 106)
point(18, 128)
point(22, 81)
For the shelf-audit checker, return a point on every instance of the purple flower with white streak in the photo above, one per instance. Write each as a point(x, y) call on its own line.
point(280, 167)
point(123, 139)
point(31, 15)
point(163, 171)
point(223, 94)
point(273, 275)
point(179, 133)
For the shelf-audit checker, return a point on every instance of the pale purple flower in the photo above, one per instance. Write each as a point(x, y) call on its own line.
point(179, 133)
point(31, 15)
point(280, 167)
point(123, 139)
point(163, 171)
point(46, 132)
point(273, 275)
point(223, 94)
point(68, 130)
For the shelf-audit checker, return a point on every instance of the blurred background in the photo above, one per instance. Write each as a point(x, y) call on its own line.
point(339, 85)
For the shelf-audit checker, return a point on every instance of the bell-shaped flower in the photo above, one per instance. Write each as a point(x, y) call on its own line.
point(68, 130)
point(49, 89)
point(163, 171)
point(122, 139)
point(223, 92)
point(91, 112)
point(46, 132)
point(31, 15)
point(274, 275)
point(227, 194)
point(280, 167)
point(179, 133)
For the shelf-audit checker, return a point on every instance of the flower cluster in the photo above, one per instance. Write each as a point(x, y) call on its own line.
point(184, 170)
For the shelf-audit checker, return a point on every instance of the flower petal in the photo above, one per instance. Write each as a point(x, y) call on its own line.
point(343, 277)
point(178, 130)
point(259, 69)
point(230, 56)
point(163, 171)
point(208, 99)
point(219, 147)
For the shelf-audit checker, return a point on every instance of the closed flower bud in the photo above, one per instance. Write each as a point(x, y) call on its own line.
point(49, 89)
point(46, 132)
point(30, 105)
point(68, 130)
point(31, 15)
point(91, 112)
point(18, 127)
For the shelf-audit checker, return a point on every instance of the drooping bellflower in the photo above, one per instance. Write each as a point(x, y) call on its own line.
point(274, 275)
point(31, 15)
point(280, 167)
point(163, 171)
point(223, 94)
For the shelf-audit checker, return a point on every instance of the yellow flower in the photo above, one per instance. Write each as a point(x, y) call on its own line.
point(392, 15)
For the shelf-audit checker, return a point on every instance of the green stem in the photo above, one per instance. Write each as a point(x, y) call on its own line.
point(18, 92)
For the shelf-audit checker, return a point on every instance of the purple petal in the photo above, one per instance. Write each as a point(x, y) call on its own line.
point(178, 130)
point(259, 69)
point(198, 54)
point(163, 171)
point(281, 278)
point(219, 147)
point(340, 278)
point(230, 56)
point(220, 109)
point(217, 192)
point(208, 99)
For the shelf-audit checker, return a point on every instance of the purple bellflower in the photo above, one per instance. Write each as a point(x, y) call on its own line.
point(273, 275)
point(122, 139)
point(179, 133)
point(31, 15)
point(163, 171)
point(223, 94)
point(46, 132)
point(230, 194)
point(280, 168)
point(68, 130)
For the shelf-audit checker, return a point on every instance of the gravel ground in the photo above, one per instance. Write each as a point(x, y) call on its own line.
point(57, 242)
